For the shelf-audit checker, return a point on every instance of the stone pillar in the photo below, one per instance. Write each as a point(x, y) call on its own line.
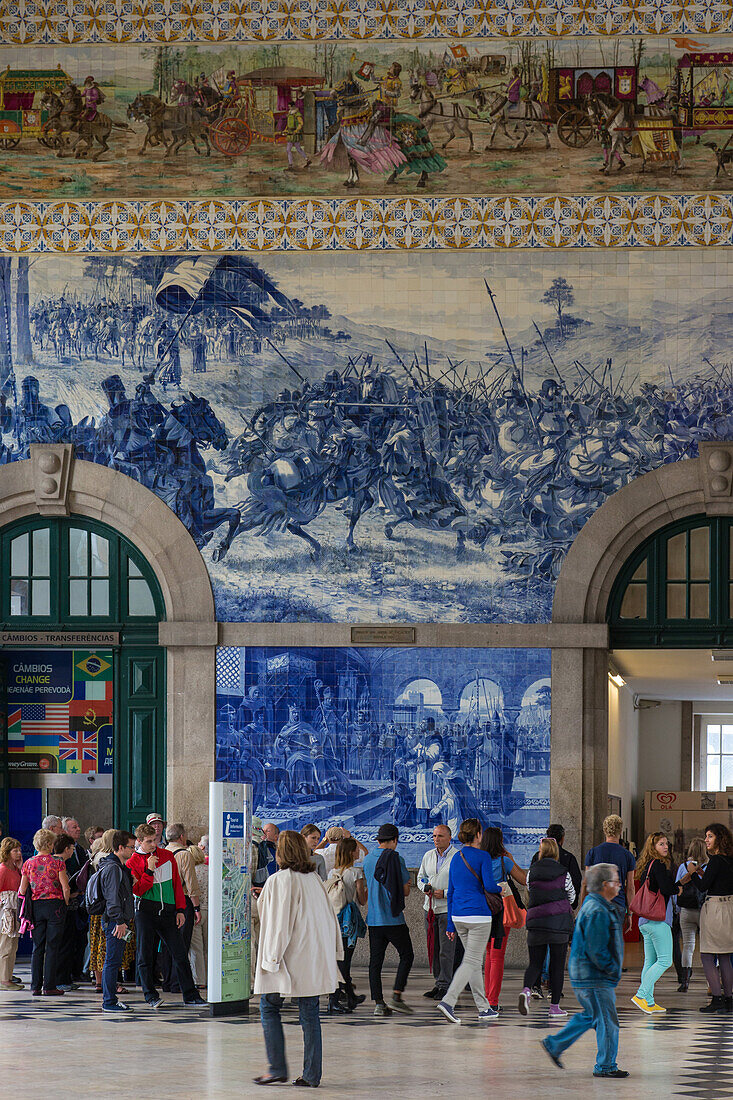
point(686, 754)
point(191, 720)
point(579, 745)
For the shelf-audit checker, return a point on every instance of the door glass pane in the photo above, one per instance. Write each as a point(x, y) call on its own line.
point(18, 597)
point(19, 556)
point(100, 556)
point(41, 598)
point(713, 782)
point(41, 552)
point(78, 552)
point(677, 557)
point(640, 574)
point(634, 602)
point(676, 601)
point(727, 744)
point(132, 569)
point(140, 598)
point(713, 739)
point(100, 597)
point(726, 777)
point(700, 554)
point(78, 601)
point(699, 601)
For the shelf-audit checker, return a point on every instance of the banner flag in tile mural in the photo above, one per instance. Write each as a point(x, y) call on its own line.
point(60, 711)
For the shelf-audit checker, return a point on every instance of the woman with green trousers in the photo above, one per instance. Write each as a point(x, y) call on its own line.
point(655, 867)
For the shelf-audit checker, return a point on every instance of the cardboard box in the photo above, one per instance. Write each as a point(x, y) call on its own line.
point(700, 819)
point(687, 800)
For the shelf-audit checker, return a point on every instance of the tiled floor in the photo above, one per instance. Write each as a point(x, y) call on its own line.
point(181, 1054)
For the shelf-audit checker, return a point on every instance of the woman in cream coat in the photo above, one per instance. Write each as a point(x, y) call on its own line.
point(299, 946)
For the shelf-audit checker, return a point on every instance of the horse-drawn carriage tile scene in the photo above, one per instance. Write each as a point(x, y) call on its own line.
point(510, 116)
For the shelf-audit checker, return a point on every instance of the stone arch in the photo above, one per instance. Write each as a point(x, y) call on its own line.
point(631, 515)
point(98, 492)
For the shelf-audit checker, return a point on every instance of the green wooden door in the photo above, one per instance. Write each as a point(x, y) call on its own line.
point(140, 741)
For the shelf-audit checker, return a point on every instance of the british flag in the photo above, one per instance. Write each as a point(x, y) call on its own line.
point(77, 745)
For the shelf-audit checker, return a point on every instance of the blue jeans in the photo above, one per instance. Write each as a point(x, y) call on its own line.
point(599, 1011)
point(114, 951)
point(270, 1005)
point(657, 936)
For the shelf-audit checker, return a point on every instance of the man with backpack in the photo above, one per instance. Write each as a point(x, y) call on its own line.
point(113, 891)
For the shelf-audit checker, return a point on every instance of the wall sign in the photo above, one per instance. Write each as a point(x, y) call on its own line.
point(60, 711)
point(64, 637)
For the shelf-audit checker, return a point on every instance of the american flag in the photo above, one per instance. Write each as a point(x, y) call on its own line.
point(42, 720)
point(77, 745)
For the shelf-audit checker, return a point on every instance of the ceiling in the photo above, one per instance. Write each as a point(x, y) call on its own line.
point(674, 673)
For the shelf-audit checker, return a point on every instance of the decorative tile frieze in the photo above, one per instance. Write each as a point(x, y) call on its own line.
point(311, 225)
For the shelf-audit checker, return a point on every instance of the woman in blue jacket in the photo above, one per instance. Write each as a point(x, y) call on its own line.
point(469, 916)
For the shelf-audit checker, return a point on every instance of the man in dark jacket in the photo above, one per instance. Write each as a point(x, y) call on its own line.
point(595, 971)
point(115, 886)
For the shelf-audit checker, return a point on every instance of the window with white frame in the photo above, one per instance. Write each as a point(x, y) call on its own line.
point(717, 748)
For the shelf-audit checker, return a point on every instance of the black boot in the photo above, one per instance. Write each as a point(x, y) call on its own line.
point(717, 1004)
point(335, 1007)
point(352, 997)
point(728, 1001)
point(684, 985)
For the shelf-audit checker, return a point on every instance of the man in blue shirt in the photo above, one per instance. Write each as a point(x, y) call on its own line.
point(613, 851)
point(388, 883)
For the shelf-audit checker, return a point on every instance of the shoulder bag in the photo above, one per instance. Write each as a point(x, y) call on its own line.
point(493, 901)
point(515, 915)
point(647, 903)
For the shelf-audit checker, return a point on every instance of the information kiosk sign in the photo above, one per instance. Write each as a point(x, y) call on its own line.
point(230, 835)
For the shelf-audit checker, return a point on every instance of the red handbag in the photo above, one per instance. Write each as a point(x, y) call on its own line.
point(647, 903)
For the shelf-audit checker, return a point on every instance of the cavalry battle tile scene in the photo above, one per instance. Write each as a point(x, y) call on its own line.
point(356, 437)
point(505, 116)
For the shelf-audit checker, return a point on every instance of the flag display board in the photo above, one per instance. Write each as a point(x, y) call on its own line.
point(60, 711)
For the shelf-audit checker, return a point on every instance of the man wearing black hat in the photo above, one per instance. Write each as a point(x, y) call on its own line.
point(388, 883)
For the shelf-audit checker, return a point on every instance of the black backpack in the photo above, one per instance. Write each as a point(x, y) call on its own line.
point(691, 897)
point(94, 898)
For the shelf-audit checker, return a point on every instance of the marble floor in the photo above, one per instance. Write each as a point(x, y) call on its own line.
point(66, 1049)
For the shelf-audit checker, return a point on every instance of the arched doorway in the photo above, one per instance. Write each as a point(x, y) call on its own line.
point(606, 557)
point(94, 562)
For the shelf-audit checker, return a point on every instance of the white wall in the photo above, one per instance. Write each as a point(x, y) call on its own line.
point(660, 747)
point(623, 751)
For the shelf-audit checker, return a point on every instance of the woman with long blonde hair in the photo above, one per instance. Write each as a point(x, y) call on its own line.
point(655, 866)
point(549, 924)
point(689, 904)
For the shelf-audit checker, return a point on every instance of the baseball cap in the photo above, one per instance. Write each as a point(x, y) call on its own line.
point(152, 817)
point(387, 832)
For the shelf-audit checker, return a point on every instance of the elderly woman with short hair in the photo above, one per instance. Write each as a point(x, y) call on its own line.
point(46, 875)
point(596, 958)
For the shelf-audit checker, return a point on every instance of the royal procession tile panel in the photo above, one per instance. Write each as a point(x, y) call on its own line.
point(355, 737)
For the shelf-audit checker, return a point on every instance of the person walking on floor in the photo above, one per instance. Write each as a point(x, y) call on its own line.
point(388, 884)
point(689, 904)
point(471, 888)
point(346, 889)
point(159, 914)
point(115, 887)
point(549, 924)
point(716, 916)
point(432, 879)
point(179, 849)
point(503, 865)
point(655, 867)
point(596, 959)
point(11, 860)
point(45, 874)
point(299, 946)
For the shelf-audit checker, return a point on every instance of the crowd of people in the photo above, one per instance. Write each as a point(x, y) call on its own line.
point(133, 908)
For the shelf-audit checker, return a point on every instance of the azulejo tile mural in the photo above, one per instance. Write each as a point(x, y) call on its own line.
point(115, 21)
point(360, 736)
point(525, 116)
point(356, 437)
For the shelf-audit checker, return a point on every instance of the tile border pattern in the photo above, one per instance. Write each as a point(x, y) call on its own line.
point(654, 220)
point(74, 22)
